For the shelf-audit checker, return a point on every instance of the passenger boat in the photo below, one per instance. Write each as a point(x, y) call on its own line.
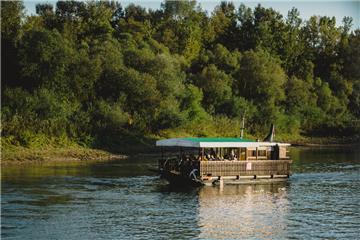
point(209, 161)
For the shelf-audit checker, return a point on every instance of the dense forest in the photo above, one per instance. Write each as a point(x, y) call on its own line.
point(98, 74)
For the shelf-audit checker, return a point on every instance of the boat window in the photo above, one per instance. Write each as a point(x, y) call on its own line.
point(242, 153)
point(252, 153)
point(262, 153)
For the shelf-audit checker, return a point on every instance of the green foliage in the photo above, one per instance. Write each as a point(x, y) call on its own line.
point(239, 107)
point(168, 114)
point(97, 74)
point(109, 117)
point(355, 99)
point(298, 95)
point(12, 13)
point(261, 79)
point(36, 115)
point(288, 124)
point(216, 86)
point(219, 126)
point(44, 58)
point(191, 104)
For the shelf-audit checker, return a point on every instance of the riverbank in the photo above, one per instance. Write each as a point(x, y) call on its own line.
point(320, 141)
point(21, 155)
point(11, 154)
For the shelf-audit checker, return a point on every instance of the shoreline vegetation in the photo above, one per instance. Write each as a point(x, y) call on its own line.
point(97, 80)
point(18, 155)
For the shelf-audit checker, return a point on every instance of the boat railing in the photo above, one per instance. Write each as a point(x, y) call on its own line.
point(245, 168)
point(168, 164)
point(177, 165)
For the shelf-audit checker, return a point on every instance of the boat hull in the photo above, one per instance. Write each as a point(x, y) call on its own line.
point(180, 180)
point(177, 179)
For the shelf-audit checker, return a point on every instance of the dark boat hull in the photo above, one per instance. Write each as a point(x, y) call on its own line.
point(180, 180)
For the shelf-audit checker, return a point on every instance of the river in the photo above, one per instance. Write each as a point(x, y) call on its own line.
point(123, 200)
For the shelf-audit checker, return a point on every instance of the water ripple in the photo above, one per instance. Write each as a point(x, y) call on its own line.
point(121, 200)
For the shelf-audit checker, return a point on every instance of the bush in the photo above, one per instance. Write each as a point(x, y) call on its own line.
point(109, 117)
point(32, 118)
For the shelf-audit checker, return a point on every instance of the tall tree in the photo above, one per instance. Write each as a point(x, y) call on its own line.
point(12, 14)
point(261, 79)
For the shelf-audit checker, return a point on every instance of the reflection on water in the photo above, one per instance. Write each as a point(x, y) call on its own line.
point(123, 200)
point(243, 211)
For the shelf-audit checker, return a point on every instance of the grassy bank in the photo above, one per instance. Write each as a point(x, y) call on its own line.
point(120, 147)
point(18, 154)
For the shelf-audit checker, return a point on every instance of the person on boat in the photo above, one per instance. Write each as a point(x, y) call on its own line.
point(276, 152)
point(212, 154)
point(199, 155)
point(207, 155)
point(232, 154)
point(193, 158)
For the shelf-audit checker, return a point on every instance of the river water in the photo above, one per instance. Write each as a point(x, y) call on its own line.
point(123, 200)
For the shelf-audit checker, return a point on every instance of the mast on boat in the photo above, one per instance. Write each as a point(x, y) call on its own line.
point(242, 126)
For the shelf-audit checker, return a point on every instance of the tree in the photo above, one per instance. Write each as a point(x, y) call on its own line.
point(246, 28)
point(44, 58)
point(293, 48)
point(298, 95)
point(224, 24)
point(261, 79)
point(191, 104)
point(85, 70)
point(351, 70)
point(269, 30)
point(181, 28)
point(12, 14)
point(216, 86)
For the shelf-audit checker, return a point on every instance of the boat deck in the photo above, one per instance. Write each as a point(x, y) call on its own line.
point(227, 172)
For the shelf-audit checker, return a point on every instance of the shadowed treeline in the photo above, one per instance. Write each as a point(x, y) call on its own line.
point(96, 74)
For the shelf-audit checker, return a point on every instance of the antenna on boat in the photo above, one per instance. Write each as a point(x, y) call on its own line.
point(242, 126)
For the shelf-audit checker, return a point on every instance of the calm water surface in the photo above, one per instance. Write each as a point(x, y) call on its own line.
point(123, 200)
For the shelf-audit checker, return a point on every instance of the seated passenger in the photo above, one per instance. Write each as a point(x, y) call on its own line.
point(212, 154)
point(208, 155)
point(232, 154)
point(192, 157)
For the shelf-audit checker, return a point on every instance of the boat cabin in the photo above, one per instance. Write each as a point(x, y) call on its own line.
point(208, 160)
